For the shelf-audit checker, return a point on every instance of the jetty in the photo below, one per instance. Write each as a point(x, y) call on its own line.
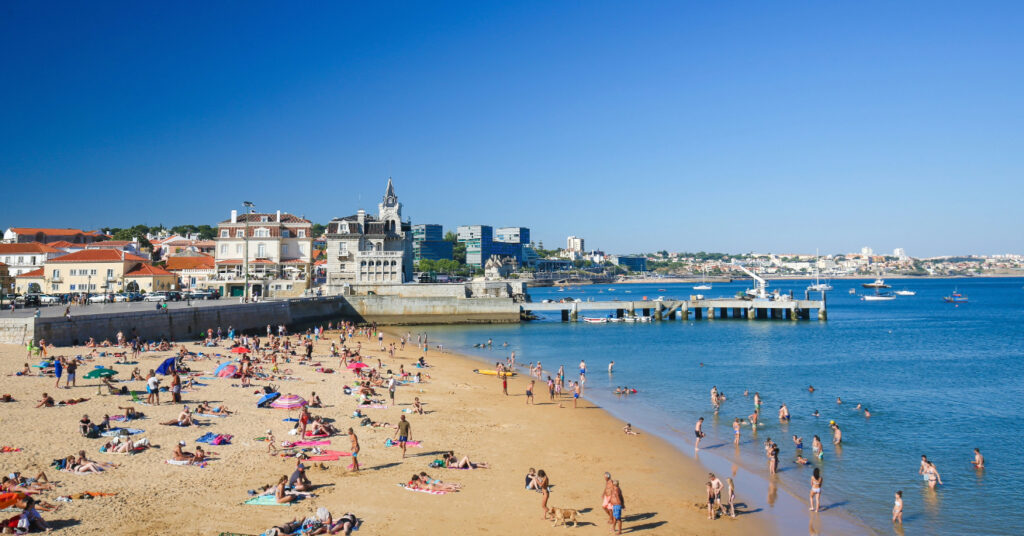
point(699, 308)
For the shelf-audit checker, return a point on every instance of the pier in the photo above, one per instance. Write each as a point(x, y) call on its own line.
point(710, 309)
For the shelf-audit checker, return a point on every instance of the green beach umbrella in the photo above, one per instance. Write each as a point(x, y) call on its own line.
point(101, 373)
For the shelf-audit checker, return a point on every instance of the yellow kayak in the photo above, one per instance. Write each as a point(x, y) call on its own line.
point(493, 372)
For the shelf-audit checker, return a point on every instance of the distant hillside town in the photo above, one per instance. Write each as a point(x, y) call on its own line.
point(254, 253)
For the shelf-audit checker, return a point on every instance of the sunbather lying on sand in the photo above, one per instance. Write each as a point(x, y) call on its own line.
point(451, 462)
point(184, 419)
point(437, 484)
point(206, 408)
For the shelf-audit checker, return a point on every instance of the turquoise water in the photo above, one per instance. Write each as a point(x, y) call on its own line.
point(938, 379)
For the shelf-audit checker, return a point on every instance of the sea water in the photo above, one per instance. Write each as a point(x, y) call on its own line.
point(938, 378)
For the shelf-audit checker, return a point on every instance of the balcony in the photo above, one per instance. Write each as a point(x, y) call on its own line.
point(379, 254)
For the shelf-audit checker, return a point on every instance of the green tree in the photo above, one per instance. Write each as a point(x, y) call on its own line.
point(318, 229)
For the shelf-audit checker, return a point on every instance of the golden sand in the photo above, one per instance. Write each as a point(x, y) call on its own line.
point(466, 412)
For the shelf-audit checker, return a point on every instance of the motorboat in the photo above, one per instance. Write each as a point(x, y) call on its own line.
point(853, 291)
point(906, 293)
point(879, 296)
point(956, 297)
point(589, 320)
point(878, 283)
point(629, 319)
point(644, 318)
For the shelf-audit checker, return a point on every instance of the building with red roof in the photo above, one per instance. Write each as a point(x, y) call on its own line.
point(21, 235)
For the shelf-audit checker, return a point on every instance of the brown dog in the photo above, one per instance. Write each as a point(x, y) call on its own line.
point(564, 516)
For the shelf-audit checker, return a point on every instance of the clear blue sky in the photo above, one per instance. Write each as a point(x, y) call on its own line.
point(721, 126)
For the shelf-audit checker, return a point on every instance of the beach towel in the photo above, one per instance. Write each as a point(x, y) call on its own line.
point(286, 444)
point(118, 431)
point(310, 434)
point(185, 462)
point(9, 449)
point(329, 456)
point(269, 500)
point(215, 439)
point(373, 406)
point(390, 443)
point(208, 415)
point(430, 491)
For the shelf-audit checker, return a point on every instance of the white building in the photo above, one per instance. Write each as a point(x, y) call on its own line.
point(574, 243)
point(900, 254)
point(365, 249)
point(25, 257)
point(280, 253)
point(866, 251)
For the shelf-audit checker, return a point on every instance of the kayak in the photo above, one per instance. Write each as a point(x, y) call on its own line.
point(493, 372)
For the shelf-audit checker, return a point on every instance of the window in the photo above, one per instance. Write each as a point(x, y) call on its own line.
point(223, 249)
point(285, 233)
point(224, 233)
point(261, 251)
point(264, 219)
point(72, 273)
point(302, 233)
point(261, 232)
point(92, 286)
point(21, 260)
point(56, 274)
point(110, 272)
point(284, 250)
point(238, 248)
point(342, 248)
point(240, 233)
point(92, 272)
point(54, 286)
point(72, 286)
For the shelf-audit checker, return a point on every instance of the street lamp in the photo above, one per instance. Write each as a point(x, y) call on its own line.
point(245, 263)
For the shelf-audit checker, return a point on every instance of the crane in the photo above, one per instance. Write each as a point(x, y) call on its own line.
point(759, 282)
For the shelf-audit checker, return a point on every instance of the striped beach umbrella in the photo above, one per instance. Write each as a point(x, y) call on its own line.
point(288, 402)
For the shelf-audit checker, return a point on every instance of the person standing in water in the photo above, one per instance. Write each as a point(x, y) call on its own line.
point(979, 460)
point(783, 413)
point(698, 431)
point(610, 367)
point(897, 508)
point(815, 498)
point(736, 431)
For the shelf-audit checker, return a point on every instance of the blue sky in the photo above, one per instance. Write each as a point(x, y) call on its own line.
point(728, 126)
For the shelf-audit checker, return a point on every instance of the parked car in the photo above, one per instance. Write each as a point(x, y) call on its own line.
point(32, 300)
point(156, 297)
point(202, 294)
point(174, 295)
point(49, 299)
point(122, 297)
point(101, 298)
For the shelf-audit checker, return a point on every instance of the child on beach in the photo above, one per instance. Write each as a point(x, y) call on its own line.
point(732, 497)
point(897, 508)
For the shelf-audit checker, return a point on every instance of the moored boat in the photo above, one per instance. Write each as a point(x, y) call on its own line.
point(878, 283)
point(590, 320)
point(956, 297)
point(906, 293)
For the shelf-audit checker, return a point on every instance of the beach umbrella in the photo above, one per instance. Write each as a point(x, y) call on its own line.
point(266, 399)
point(288, 402)
point(357, 365)
point(228, 371)
point(167, 367)
point(100, 373)
point(239, 350)
point(221, 367)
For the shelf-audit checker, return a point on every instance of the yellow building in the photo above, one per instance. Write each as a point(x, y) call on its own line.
point(96, 271)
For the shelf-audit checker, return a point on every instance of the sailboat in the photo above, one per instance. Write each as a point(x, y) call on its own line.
point(818, 286)
point(703, 282)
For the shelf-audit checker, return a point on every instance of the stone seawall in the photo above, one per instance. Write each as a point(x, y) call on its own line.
point(188, 323)
point(394, 310)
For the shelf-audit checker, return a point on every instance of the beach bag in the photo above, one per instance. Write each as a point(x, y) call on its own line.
point(365, 422)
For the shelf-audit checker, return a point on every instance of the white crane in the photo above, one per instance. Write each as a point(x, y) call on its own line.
point(759, 290)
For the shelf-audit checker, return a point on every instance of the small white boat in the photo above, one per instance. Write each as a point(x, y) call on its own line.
point(595, 320)
point(614, 320)
point(702, 287)
point(906, 293)
point(644, 318)
point(703, 282)
point(871, 297)
point(853, 291)
point(629, 319)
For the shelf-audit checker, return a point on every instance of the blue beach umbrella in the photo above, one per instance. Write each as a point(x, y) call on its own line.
point(167, 367)
point(266, 399)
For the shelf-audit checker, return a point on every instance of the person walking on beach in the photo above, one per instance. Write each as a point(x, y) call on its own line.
point(815, 498)
point(355, 450)
point(606, 498)
point(698, 431)
point(403, 433)
point(69, 371)
point(897, 508)
point(529, 393)
point(392, 385)
point(543, 484)
point(575, 395)
point(618, 503)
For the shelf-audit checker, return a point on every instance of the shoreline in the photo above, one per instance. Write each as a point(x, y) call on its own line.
point(466, 412)
point(786, 511)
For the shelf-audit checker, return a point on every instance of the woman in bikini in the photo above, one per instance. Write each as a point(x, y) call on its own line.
point(452, 462)
point(543, 483)
point(736, 431)
point(279, 493)
point(816, 481)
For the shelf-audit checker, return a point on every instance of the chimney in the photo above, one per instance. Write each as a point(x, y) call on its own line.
point(278, 216)
point(234, 216)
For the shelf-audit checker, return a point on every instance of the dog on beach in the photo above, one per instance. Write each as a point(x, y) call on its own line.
point(563, 516)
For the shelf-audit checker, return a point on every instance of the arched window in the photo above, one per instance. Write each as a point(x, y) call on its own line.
point(378, 246)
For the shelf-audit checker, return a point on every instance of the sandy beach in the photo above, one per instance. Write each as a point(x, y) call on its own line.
point(465, 412)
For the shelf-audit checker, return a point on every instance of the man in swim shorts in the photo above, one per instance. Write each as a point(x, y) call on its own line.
point(617, 504)
point(698, 431)
point(403, 433)
point(355, 450)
